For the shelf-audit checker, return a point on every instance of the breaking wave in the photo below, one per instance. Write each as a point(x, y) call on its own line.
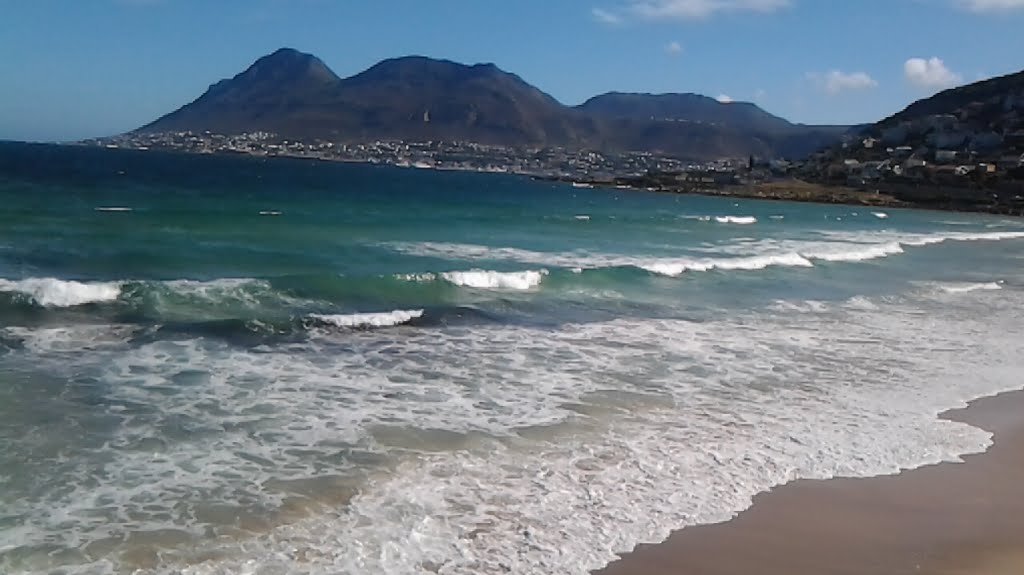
point(483, 279)
point(739, 220)
point(52, 292)
point(838, 247)
point(487, 279)
point(385, 319)
point(676, 268)
point(858, 254)
point(967, 288)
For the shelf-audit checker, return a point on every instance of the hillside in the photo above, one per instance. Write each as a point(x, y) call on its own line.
point(686, 108)
point(415, 98)
point(964, 145)
point(984, 101)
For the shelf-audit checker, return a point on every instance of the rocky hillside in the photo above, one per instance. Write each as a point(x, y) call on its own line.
point(962, 145)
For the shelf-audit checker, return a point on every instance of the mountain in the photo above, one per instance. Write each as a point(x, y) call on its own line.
point(412, 98)
point(287, 92)
point(962, 148)
point(970, 124)
point(421, 99)
point(684, 107)
point(984, 100)
point(730, 121)
point(417, 98)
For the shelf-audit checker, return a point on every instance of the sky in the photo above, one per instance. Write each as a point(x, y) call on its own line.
point(72, 69)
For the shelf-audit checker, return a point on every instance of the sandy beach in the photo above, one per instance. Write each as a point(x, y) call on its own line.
point(948, 519)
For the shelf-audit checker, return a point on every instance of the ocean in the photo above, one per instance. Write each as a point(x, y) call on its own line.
point(219, 365)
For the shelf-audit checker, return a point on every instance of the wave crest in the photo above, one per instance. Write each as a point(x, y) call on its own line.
point(676, 268)
point(967, 288)
point(52, 292)
point(384, 319)
point(739, 220)
point(488, 279)
point(858, 254)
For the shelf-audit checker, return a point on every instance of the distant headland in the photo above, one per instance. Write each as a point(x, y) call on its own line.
point(961, 149)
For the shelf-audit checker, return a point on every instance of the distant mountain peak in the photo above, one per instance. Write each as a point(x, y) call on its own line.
point(417, 98)
point(288, 64)
point(426, 67)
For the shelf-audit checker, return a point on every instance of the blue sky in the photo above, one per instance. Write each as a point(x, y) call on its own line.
point(79, 68)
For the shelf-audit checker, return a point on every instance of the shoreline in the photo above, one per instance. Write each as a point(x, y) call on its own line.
point(944, 519)
point(789, 189)
point(801, 191)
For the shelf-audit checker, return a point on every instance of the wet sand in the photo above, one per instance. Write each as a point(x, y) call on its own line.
point(948, 519)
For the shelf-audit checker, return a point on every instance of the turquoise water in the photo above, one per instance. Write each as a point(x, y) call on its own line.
point(230, 364)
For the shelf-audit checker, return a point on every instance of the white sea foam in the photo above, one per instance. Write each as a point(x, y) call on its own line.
point(855, 253)
point(970, 287)
point(211, 287)
point(806, 306)
point(966, 237)
point(741, 220)
point(385, 319)
point(582, 217)
point(112, 209)
point(488, 279)
point(675, 268)
point(880, 215)
point(52, 292)
point(860, 303)
point(544, 426)
point(270, 213)
point(838, 246)
point(249, 292)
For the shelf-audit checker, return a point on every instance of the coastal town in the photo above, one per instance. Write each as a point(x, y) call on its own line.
point(936, 161)
point(554, 162)
point(942, 149)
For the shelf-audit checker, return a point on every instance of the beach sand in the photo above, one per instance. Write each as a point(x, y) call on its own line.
point(948, 519)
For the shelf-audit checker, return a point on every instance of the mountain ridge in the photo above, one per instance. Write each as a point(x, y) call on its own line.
point(417, 98)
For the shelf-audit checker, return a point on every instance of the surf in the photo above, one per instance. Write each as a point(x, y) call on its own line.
point(57, 293)
point(383, 319)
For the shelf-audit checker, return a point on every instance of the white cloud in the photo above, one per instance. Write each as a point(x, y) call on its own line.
point(605, 17)
point(930, 73)
point(725, 99)
point(837, 81)
point(986, 6)
point(673, 48)
point(681, 9)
